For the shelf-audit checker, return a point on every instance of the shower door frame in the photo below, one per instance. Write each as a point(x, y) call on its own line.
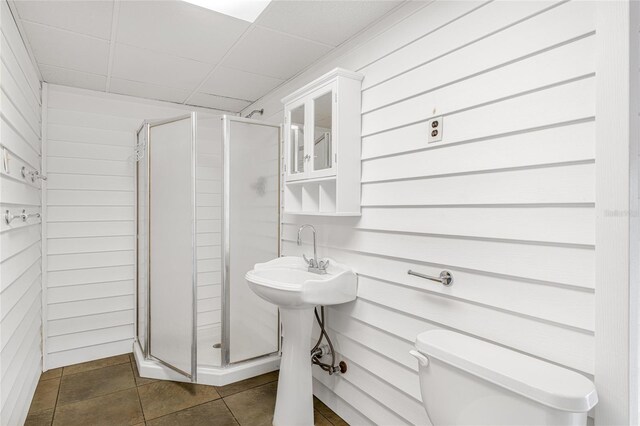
point(146, 126)
point(226, 243)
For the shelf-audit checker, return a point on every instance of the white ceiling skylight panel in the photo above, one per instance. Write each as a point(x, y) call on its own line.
point(247, 10)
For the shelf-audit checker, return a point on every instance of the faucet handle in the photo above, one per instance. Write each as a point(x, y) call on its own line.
point(323, 264)
point(310, 262)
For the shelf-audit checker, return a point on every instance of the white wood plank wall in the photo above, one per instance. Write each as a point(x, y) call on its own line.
point(91, 228)
point(20, 254)
point(505, 201)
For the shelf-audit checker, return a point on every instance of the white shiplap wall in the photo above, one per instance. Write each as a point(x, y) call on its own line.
point(505, 201)
point(20, 259)
point(91, 229)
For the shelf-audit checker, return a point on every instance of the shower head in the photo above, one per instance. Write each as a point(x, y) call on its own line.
point(259, 111)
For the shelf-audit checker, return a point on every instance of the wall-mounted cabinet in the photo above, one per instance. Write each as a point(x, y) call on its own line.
point(322, 146)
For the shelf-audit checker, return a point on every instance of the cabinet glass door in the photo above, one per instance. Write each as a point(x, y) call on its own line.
point(297, 156)
point(322, 145)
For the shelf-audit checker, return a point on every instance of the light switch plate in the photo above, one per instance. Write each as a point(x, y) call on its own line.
point(434, 127)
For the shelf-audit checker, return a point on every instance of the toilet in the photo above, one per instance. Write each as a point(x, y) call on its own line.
point(466, 381)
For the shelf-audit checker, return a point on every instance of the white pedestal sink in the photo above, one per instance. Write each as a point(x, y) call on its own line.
point(286, 283)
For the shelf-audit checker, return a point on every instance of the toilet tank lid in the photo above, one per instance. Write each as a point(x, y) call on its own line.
point(532, 378)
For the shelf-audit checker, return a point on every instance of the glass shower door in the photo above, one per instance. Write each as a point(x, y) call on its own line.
point(251, 223)
point(171, 238)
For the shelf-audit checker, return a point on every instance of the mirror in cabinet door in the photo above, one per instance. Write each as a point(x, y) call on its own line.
point(297, 158)
point(310, 135)
point(322, 149)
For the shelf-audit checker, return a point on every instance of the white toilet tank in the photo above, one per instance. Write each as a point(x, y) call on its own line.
point(466, 381)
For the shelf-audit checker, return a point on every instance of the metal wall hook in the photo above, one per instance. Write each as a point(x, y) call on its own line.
point(33, 174)
point(8, 217)
point(37, 175)
point(445, 278)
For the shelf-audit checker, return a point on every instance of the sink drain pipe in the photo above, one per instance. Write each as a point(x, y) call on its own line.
point(319, 351)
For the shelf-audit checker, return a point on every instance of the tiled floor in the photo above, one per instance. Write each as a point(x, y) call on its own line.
point(110, 392)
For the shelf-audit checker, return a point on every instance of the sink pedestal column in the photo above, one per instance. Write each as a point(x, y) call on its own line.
point(294, 401)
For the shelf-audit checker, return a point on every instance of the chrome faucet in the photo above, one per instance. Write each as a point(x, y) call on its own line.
point(315, 266)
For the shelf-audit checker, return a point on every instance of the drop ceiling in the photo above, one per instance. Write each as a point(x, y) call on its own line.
point(178, 52)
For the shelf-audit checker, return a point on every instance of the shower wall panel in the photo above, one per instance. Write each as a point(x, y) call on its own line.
point(253, 224)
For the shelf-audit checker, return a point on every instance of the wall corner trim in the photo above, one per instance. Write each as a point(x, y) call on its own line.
point(617, 237)
point(43, 219)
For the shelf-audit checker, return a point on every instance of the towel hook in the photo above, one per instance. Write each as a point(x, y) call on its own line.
point(37, 175)
point(33, 174)
point(8, 217)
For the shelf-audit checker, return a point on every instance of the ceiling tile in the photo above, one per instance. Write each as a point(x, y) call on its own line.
point(178, 28)
point(273, 54)
point(65, 49)
point(86, 17)
point(330, 22)
point(149, 91)
point(72, 78)
point(239, 84)
point(218, 102)
point(135, 64)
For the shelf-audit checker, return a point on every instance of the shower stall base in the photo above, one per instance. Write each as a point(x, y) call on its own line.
point(213, 376)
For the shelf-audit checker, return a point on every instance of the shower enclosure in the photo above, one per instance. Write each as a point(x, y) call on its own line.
point(207, 211)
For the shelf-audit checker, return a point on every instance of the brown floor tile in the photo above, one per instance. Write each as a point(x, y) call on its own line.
point(51, 374)
point(119, 408)
point(93, 383)
point(45, 396)
point(247, 384)
point(320, 420)
point(255, 406)
point(140, 380)
point(214, 412)
point(94, 365)
point(163, 397)
point(328, 413)
point(43, 418)
point(103, 392)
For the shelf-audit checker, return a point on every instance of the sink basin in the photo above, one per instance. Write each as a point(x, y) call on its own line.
point(287, 283)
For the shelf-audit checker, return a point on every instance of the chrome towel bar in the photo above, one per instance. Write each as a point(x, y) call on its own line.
point(445, 278)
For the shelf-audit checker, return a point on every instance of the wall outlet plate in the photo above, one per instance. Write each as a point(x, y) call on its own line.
point(434, 128)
